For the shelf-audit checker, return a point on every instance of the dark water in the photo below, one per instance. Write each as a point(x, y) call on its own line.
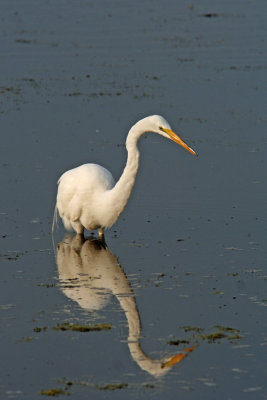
point(185, 265)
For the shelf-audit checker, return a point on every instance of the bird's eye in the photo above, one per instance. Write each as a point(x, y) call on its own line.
point(161, 129)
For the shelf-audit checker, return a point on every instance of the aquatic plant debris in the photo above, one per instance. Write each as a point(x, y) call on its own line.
point(107, 386)
point(66, 326)
point(54, 392)
point(113, 386)
point(177, 342)
point(38, 329)
point(189, 328)
point(24, 339)
point(226, 328)
point(211, 337)
point(209, 15)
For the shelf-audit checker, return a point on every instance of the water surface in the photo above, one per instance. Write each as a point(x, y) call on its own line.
point(185, 265)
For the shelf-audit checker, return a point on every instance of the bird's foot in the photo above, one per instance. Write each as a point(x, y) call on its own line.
point(101, 238)
point(101, 234)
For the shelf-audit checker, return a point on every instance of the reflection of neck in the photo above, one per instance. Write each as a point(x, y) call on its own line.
point(128, 305)
point(154, 367)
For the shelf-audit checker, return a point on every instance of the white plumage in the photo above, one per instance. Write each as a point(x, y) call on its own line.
point(88, 196)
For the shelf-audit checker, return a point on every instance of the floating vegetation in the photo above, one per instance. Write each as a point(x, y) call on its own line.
point(149, 386)
point(14, 90)
point(223, 332)
point(113, 386)
point(189, 328)
point(24, 41)
point(226, 328)
point(106, 386)
point(54, 392)
point(177, 342)
point(25, 339)
point(233, 274)
point(12, 255)
point(65, 326)
point(38, 329)
point(235, 337)
point(209, 15)
point(212, 337)
point(75, 94)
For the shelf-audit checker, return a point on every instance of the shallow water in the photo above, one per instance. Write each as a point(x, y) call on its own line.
point(185, 265)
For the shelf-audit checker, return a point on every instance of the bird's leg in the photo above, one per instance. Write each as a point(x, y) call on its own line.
point(101, 234)
point(77, 242)
point(77, 226)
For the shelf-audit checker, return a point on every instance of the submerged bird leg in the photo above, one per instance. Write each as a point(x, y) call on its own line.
point(101, 234)
point(77, 242)
point(101, 239)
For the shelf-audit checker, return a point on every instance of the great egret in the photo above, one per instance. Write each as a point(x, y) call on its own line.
point(88, 196)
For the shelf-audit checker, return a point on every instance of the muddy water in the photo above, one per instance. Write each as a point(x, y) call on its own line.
point(175, 304)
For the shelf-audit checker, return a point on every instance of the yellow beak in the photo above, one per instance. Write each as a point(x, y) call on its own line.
point(177, 358)
point(178, 140)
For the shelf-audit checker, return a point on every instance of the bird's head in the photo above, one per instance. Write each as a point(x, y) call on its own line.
point(159, 125)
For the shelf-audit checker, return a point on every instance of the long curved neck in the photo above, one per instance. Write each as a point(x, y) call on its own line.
point(123, 188)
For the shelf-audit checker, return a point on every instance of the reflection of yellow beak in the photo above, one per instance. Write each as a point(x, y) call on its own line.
point(178, 140)
point(177, 358)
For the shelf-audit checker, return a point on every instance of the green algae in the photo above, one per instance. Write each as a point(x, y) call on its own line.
point(212, 337)
point(54, 392)
point(189, 328)
point(177, 342)
point(223, 332)
point(38, 329)
point(226, 328)
point(65, 326)
point(113, 386)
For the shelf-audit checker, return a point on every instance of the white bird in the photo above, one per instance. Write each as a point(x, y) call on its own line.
point(88, 197)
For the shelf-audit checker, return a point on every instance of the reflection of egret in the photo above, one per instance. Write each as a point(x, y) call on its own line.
point(89, 272)
point(87, 197)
